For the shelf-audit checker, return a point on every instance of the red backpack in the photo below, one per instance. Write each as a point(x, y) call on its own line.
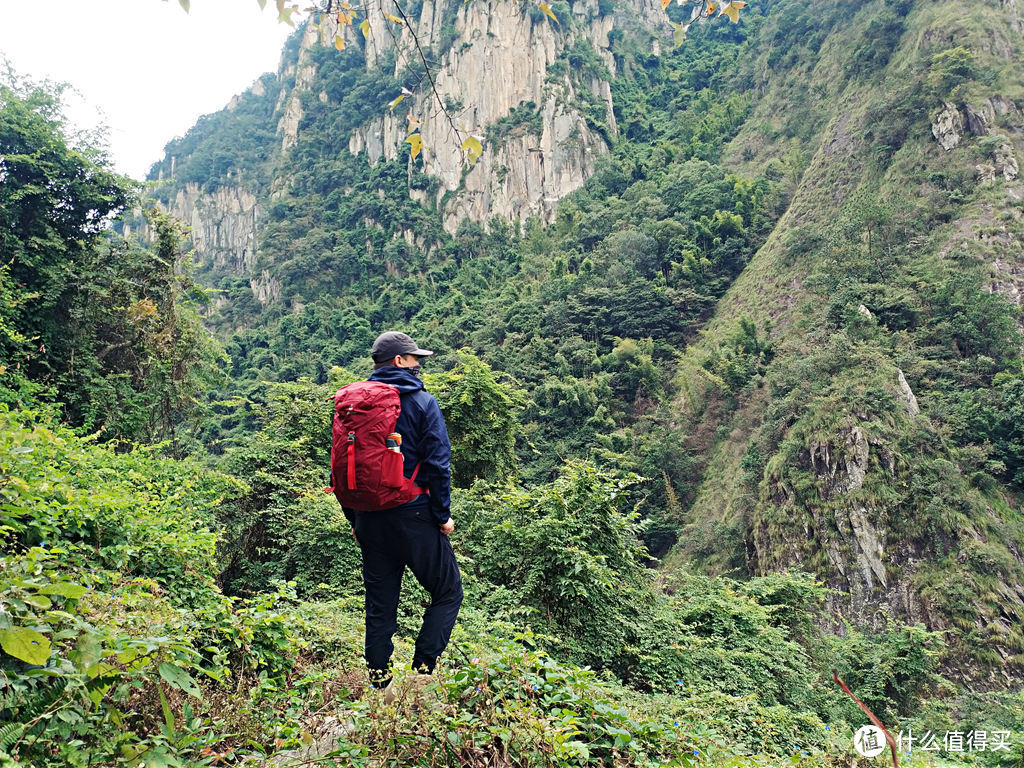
point(366, 474)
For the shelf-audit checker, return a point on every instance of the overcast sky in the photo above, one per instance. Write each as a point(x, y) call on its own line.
point(144, 68)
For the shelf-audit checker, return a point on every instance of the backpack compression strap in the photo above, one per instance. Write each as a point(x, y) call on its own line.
point(351, 463)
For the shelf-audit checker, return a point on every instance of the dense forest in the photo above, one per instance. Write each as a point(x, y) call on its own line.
point(746, 406)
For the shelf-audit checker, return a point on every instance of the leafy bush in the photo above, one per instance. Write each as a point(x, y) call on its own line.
point(480, 413)
point(708, 635)
point(890, 671)
point(568, 551)
point(76, 690)
point(740, 356)
point(137, 513)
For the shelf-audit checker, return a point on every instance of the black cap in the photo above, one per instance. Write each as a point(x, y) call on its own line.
point(392, 343)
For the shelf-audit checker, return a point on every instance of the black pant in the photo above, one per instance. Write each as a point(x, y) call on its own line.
point(390, 540)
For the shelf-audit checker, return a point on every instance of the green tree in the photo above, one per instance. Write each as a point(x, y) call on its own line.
point(112, 325)
point(481, 415)
point(950, 68)
point(56, 200)
point(285, 528)
point(138, 361)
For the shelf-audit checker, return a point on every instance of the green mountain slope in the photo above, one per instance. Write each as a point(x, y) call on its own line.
point(779, 296)
point(881, 449)
point(742, 409)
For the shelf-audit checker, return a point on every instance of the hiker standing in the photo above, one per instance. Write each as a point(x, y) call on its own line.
point(395, 490)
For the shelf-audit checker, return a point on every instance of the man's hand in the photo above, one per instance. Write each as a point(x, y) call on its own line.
point(448, 527)
point(354, 537)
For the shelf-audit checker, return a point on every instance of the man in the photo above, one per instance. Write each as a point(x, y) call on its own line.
point(414, 534)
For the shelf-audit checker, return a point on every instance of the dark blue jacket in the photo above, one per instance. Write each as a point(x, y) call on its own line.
point(424, 442)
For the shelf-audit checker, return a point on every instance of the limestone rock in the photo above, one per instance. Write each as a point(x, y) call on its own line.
point(909, 400)
point(948, 128)
point(870, 548)
point(1010, 278)
point(223, 225)
point(501, 64)
point(265, 288)
point(305, 73)
point(1004, 163)
point(977, 123)
point(842, 471)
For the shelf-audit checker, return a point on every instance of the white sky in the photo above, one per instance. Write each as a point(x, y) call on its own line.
point(144, 68)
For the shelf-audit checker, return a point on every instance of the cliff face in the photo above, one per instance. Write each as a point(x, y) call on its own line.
point(500, 61)
point(224, 225)
point(490, 60)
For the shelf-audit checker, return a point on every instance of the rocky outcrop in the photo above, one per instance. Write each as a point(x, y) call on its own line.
point(265, 287)
point(909, 400)
point(849, 527)
point(1003, 164)
point(844, 469)
point(527, 175)
point(983, 116)
point(224, 225)
point(948, 127)
point(305, 73)
point(500, 61)
point(1009, 279)
point(952, 124)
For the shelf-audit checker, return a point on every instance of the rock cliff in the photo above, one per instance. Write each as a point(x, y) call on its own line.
point(224, 225)
point(500, 61)
point(503, 72)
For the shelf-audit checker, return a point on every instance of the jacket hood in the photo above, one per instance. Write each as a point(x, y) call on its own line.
point(399, 377)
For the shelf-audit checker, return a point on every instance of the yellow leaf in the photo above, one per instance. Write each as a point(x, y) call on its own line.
point(393, 18)
point(395, 102)
point(345, 18)
point(732, 10)
point(413, 122)
point(306, 737)
point(415, 142)
point(346, 6)
point(711, 8)
point(285, 15)
point(473, 148)
point(365, 27)
point(339, 42)
point(664, 4)
point(3, 368)
point(547, 9)
point(679, 36)
point(263, 4)
point(184, 4)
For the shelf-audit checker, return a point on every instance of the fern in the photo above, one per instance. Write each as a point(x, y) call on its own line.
point(9, 735)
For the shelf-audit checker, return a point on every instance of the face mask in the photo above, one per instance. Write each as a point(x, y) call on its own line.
point(414, 370)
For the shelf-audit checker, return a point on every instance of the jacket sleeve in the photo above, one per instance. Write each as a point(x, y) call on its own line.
point(435, 461)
